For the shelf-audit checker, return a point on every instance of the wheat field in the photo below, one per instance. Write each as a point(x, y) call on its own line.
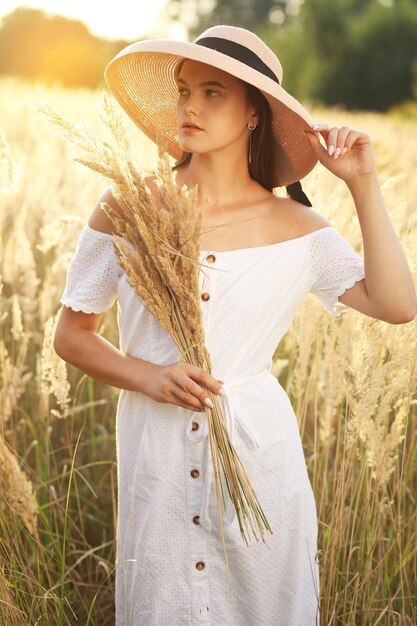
point(351, 380)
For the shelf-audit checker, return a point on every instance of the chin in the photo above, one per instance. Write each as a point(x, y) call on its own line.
point(189, 146)
point(189, 141)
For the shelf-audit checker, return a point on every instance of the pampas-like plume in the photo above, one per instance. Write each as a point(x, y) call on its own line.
point(14, 374)
point(7, 166)
point(53, 370)
point(16, 489)
point(157, 240)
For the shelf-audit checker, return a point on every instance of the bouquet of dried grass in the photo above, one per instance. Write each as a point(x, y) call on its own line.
point(157, 244)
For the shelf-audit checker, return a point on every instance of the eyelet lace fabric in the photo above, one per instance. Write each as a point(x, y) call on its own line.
point(169, 565)
point(93, 273)
point(335, 267)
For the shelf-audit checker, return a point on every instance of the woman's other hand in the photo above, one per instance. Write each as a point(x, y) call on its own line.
point(347, 152)
point(181, 384)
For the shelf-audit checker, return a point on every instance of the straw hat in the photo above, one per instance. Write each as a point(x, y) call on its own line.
point(141, 77)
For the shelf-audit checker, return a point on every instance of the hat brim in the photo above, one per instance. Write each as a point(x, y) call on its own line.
point(142, 79)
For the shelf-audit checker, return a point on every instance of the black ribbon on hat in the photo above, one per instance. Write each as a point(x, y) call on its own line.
point(238, 52)
point(295, 191)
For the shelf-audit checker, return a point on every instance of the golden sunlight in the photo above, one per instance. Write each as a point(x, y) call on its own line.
point(124, 20)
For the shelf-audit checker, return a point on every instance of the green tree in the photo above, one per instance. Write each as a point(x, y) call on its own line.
point(376, 70)
point(201, 14)
point(356, 53)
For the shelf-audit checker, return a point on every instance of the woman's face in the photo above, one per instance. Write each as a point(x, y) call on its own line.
point(216, 102)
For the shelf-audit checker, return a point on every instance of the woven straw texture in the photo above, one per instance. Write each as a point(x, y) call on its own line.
point(142, 79)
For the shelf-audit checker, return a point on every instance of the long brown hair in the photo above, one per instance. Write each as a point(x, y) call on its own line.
point(262, 156)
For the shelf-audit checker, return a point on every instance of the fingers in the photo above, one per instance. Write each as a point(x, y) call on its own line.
point(198, 379)
point(189, 391)
point(338, 140)
point(205, 379)
point(194, 394)
point(187, 400)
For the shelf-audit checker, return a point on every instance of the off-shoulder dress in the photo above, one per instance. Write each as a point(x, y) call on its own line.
point(170, 565)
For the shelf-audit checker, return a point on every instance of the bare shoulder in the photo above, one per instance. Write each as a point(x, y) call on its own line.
point(150, 181)
point(99, 220)
point(295, 219)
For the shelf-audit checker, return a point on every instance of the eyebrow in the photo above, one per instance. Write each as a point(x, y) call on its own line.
point(205, 83)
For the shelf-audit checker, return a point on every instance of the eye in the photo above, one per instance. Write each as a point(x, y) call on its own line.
point(211, 92)
point(181, 90)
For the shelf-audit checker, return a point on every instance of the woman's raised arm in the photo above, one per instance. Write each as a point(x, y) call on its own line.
point(388, 292)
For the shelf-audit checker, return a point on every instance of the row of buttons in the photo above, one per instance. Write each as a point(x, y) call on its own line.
point(210, 258)
point(196, 519)
point(200, 565)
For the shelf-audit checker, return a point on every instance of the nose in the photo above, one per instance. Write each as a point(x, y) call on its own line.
point(191, 104)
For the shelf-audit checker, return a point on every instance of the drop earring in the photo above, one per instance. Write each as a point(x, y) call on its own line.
point(251, 127)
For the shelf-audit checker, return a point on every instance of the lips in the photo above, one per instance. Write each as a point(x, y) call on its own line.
point(190, 125)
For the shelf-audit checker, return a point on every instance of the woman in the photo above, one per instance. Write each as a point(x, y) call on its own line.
point(219, 105)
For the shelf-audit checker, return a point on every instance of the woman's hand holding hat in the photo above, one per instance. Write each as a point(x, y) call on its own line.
point(347, 152)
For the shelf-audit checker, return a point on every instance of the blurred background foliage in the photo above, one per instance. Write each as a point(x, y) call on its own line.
point(52, 49)
point(357, 54)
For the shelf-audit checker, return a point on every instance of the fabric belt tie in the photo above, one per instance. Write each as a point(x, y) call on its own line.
point(249, 433)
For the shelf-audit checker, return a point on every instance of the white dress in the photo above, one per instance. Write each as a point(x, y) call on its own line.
point(170, 561)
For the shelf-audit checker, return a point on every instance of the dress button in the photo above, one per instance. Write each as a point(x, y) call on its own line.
point(200, 565)
point(195, 426)
point(196, 519)
point(210, 258)
point(205, 296)
point(195, 473)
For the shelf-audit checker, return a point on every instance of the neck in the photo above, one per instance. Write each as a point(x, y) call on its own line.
point(221, 181)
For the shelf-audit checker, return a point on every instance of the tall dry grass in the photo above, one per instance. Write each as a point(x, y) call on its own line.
point(352, 382)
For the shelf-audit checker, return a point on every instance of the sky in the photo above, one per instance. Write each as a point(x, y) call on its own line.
point(125, 19)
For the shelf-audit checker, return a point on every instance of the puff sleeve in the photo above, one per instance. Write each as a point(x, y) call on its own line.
point(335, 267)
point(93, 273)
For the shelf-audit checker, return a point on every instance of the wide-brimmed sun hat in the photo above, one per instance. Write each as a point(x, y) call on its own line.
point(142, 79)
